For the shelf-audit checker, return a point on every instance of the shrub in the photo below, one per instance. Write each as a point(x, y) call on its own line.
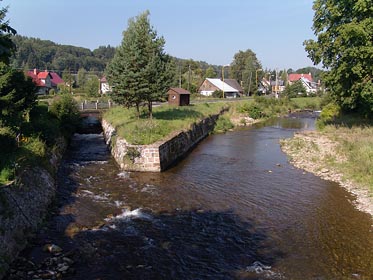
point(6, 174)
point(43, 124)
point(223, 124)
point(66, 111)
point(217, 94)
point(328, 114)
point(7, 139)
point(36, 147)
point(252, 109)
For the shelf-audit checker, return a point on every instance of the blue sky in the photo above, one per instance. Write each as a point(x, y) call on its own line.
point(207, 30)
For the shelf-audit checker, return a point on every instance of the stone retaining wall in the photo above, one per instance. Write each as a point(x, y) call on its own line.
point(23, 206)
point(160, 155)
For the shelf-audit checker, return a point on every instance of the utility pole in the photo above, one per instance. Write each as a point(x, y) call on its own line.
point(179, 76)
point(69, 80)
point(189, 78)
point(251, 74)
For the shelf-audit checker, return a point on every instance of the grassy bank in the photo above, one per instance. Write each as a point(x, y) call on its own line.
point(169, 119)
point(166, 120)
point(263, 108)
point(343, 154)
point(312, 103)
point(355, 148)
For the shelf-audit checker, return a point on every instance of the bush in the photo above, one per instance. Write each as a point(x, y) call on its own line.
point(42, 124)
point(328, 114)
point(7, 140)
point(36, 147)
point(251, 109)
point(66, 111)
point(223, 124)
point(217, 94)
point(6, 174)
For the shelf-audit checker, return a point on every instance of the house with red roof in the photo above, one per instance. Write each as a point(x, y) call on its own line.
point(296, 77)
point(307, 81)
point(45, 80)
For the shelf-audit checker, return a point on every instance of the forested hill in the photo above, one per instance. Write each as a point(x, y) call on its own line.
point(43, 54)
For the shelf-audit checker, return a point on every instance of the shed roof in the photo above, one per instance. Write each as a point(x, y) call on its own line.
point(180, 90)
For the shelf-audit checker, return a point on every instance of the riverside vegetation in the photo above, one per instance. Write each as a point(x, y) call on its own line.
point(169, 119)
point(37, 138)
point(340, 150)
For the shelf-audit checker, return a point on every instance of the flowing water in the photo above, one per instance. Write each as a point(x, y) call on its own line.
point(233, 209)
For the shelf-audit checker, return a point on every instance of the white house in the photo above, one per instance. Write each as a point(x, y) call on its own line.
point(104, 86)
point(211, 85)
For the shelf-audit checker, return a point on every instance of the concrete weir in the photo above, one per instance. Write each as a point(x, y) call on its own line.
point(161, 155)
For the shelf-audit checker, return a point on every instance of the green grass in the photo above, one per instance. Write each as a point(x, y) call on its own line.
point(356, 145)
point(31, 152)
point(166, 120)
point(36, 138)
point(313, 103)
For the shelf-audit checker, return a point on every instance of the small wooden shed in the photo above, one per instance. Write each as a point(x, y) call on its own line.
point(178, 97)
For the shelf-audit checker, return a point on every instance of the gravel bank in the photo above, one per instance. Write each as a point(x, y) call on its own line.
point(311, 151)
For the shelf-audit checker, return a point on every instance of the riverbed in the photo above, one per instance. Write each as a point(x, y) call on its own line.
point(233, 209)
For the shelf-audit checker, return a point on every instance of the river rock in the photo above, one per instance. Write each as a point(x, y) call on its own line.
point(52, 248)
point(63, 268)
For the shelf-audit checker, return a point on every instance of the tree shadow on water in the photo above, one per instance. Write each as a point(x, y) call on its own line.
point(179, 245)
point(142, 244)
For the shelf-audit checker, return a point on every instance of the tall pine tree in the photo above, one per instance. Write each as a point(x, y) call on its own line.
point(6, 31)
point(140, 70)
point(17, 93)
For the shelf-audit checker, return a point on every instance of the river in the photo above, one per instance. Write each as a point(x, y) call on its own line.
point(233, 209)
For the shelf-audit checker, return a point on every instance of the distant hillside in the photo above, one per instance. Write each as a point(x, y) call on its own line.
point(43, 54)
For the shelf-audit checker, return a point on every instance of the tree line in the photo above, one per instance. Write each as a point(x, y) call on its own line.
point(343, 46)
point(44, 54)
point(84, 67)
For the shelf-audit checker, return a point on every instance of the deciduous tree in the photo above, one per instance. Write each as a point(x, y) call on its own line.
point(243, 68)
point(344, 45)
point(295, 89)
